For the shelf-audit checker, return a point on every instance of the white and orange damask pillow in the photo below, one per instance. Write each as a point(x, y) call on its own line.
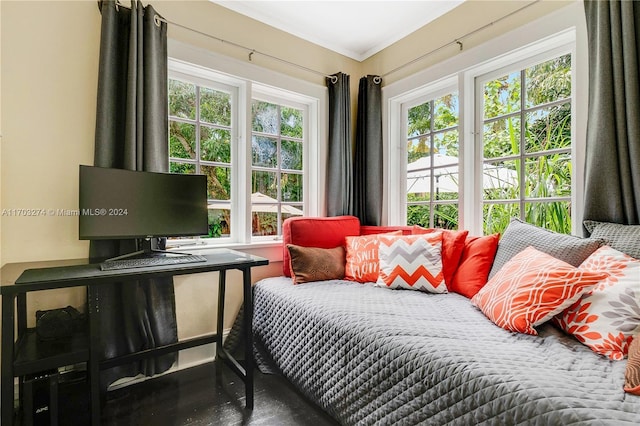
point(607, 317)
point(531, 288)
point(362, 264)
point(412, 262)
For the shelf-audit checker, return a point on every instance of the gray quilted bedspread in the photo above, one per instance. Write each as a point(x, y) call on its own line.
point(371, 355)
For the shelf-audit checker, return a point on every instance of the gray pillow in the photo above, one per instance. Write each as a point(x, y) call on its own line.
point(624, 238)
point(520, 235)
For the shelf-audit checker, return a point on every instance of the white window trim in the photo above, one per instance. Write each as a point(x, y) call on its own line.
point(560, 30)
point(556, 47)
point(267, 94)
point(418, 97)
point(249, 79)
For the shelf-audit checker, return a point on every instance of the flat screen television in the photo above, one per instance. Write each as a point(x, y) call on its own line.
point(125, 204)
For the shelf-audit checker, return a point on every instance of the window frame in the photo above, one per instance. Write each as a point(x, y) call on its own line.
point(461, 71)
point(266, 95)
point(201, 67)
point(429, 94)
point(520, 66)
point(199, 82)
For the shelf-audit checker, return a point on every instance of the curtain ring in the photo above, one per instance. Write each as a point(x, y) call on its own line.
point(251, 54)
point(377, 79)
point(334, 79)
point(157, 21)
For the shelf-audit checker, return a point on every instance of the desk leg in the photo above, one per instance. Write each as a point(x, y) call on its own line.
point(8, 324)
point(93, 366)
point(248, 336)
point(220, 324)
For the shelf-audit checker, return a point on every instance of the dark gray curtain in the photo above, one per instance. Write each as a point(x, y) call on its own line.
point(131, 133)
point(340, 154)
point(612, 175)
point(367, 167)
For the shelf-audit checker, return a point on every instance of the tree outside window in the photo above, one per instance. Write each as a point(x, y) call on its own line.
point(526, 129)
point(200, 142)
point(277, 146)
point(432, 163)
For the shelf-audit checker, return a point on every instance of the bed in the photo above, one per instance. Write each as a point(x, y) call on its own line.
point(369, 355)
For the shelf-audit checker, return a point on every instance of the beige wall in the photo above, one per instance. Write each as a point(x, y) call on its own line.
point(464, 19)
point(49, 68)
point(49, 65)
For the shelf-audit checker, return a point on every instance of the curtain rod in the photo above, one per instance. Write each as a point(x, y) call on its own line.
point(251, 51)
point(458, 40)
point(157, 19)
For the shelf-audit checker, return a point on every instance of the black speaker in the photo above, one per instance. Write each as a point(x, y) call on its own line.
point(40, 399)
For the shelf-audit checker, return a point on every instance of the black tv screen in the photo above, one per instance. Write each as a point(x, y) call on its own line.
point(121, 204)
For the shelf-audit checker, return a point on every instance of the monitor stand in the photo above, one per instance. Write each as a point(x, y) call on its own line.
point(146, 249)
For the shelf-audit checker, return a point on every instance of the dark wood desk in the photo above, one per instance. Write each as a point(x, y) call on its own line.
point(19, 358)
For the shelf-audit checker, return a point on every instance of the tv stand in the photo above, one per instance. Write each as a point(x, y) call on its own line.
point(146, 249)
point(20, 358)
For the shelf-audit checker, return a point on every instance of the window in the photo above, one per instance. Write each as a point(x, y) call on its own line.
point(277, 147)
point(499, 126)
point(252, 140)
point(432, 159)
point(200, 132)
point(526, 146)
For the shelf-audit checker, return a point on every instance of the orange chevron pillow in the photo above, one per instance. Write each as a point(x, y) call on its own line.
point(531, 288)
point(411, 261)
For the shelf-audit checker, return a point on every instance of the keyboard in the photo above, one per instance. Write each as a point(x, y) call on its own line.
point(142, 262)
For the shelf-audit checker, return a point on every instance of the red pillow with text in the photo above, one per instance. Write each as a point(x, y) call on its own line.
point(531, 288)
point(363, 264)
point(412, 262)
point(452, 245)
point(607, 317)
point(475, 265)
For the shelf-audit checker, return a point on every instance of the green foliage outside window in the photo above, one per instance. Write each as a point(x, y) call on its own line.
point(212, 155)
point(277, 156)
point(539, 135)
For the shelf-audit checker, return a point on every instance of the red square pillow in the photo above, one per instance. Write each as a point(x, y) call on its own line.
point(475, 265)
point(531, 288)
point(452, 246)
point(363, 264)
point(322, 232)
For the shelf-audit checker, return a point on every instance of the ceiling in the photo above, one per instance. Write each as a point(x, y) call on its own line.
point(357, 29)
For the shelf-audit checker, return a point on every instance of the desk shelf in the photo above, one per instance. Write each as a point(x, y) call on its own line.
point(33, 354)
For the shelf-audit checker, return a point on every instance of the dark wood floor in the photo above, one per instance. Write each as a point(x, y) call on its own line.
point(198, 397)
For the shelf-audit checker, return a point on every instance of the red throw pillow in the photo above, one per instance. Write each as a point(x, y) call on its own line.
point(531, 288)
point(363, 264)
point(323, 232)
point(475, 264)
point(452, 246)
